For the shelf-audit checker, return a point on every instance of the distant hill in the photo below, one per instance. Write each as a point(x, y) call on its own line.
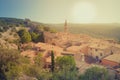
point(111, 31)
point(6, 23)
point(9, 28)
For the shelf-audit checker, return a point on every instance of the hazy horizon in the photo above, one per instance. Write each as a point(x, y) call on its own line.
point(56, 11)
point(64, 22)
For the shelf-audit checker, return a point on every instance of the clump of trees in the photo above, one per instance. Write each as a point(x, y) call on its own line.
point(36, 35)
point(65, 61)
point(7, 23)
point(65, 69)
point(95, 73)
point(24, 36)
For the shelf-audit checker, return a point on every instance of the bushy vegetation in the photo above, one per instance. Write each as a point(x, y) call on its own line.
point(65, 69)
point(31, 31)
point(35, 36)
point(27, 36)
point(6, 23)
point(24, 35)
point(9, 64)
point(95, 73)
point(13, 66)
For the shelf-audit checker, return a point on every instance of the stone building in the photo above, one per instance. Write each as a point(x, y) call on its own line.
point(99, 51)
point(78, 49)
point(111, 60)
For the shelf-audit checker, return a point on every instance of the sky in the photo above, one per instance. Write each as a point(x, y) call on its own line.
point(57, 11)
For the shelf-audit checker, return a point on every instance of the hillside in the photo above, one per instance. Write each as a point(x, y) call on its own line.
point(29, 50)
point(9, 28)
point(110, 31)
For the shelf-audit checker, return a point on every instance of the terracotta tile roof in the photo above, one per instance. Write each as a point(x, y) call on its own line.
point(67, 53)
point(48, 59)
point(113, 57)
point(99, 46)
point(76, 48)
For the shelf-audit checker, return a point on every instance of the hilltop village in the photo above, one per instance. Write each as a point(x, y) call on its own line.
point(87, 51)
point(29, 49)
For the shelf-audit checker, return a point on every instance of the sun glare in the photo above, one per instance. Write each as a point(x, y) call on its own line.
point(83, 12)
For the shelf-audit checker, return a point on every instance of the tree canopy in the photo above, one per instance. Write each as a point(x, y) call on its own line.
point(95, 73)
point(65, 61)
point(24, 35)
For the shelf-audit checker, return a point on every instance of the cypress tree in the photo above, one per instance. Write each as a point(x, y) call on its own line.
point(52, 61)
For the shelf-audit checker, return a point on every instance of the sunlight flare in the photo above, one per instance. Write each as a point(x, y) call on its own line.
point(84, 12)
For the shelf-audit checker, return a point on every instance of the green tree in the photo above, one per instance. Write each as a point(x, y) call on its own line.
point(52, 61)
point(25, 36)
point(95, 73)
point(66, 69)
point(35, 36)
point(65, 61)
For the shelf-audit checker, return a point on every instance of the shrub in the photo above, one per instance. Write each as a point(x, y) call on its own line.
point(95, 73)
point(65, 61)
point(35, 36)
point(9, 62)
point(24, 35)
point(53, 30)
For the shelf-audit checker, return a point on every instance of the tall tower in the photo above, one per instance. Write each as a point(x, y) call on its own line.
point(65, 26)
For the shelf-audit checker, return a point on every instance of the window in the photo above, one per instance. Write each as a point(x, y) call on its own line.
point(101, 54)
point(91, 54)
point(95, 49)
point(97, 58)
point(111, 53)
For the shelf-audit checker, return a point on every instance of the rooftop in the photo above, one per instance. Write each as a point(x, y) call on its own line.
point(76, 48)
point(67, 53)
point(99, 46)
point(114, 57)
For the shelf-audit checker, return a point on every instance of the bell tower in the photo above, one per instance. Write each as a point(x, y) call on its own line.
point(65, 26)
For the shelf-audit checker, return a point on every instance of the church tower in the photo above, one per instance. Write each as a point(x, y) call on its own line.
point(65, 26)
